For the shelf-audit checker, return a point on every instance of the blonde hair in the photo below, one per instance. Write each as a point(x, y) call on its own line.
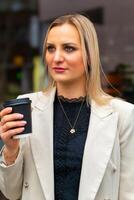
point(91, 58)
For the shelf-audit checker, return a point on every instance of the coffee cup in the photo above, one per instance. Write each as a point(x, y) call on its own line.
point(22, 106)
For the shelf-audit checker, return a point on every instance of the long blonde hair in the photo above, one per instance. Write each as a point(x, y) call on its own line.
point(91, 57)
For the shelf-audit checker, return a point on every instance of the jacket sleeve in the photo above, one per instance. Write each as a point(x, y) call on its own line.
point(11, 177)
point(126, 191)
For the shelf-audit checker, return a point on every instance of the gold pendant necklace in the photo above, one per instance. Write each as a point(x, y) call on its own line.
point(72, 130)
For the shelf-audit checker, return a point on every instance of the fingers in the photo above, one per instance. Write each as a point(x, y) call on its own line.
point(6, 115)
point(11, 117)
point(5, 111)
point(13, 124)
point(5, 136)
point(10, 124)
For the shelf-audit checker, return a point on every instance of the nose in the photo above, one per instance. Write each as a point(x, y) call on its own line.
point(58, 56)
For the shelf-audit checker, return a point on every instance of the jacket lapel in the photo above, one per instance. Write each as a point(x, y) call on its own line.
point(42, 143)
point(98, 148)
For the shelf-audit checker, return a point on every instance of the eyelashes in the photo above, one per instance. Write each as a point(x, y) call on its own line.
point(66, 48)
point(50, 48)
point(69, 49)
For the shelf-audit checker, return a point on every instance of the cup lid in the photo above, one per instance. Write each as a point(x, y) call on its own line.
point(13, 102)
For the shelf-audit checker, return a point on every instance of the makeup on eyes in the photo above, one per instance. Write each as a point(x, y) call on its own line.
point(66, 47)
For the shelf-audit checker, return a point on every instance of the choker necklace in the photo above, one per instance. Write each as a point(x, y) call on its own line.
point(72, 130)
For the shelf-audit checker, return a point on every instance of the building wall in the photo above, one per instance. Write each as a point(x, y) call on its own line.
point(116, 35)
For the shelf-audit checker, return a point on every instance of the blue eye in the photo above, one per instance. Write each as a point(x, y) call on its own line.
point(50, 48)
point(69, 49)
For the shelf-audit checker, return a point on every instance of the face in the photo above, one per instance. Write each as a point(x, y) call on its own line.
point(64, 55)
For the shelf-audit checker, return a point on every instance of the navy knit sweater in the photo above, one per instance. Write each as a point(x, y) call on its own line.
point(69, 148)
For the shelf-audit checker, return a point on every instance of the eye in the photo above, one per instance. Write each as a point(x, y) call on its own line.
point(50, 48)
point(69, 49)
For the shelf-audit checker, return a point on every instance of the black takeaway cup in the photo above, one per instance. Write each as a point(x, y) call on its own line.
point(22, 106)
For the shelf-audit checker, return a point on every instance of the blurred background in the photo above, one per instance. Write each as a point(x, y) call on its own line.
point(22, 28)
point(23, 24)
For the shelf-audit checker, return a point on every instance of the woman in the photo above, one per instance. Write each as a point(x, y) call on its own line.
point(82, 141)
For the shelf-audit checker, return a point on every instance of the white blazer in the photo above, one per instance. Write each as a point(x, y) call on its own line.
point(108, 160)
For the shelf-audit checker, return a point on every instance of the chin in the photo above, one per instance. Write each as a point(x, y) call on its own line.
point(60, 79)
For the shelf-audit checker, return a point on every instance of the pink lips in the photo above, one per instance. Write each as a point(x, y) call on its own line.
point(59, 69)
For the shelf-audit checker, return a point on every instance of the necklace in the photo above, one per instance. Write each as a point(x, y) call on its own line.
point(72, 130)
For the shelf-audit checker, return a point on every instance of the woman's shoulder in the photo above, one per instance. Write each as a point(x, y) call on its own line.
point(125, 112)
point(32, 96)
point(122, 106)
point(41, 98)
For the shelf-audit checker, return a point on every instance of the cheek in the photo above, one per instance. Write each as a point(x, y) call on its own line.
point(77, 62)
point(48, 58)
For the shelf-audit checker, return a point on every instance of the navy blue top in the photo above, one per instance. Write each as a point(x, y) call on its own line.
point(69, 148)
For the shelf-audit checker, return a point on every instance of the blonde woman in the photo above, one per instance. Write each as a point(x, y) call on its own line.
point(82, 143)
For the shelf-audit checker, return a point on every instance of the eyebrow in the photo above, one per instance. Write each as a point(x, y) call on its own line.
point(66, 43)
point(70, 43)
point(48, 43)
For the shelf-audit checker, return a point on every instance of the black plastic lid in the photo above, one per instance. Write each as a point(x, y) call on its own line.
point(14, 102)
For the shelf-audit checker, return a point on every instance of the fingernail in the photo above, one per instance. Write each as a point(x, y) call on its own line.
point(23, 122)
point(10, 108)
point(20, 115)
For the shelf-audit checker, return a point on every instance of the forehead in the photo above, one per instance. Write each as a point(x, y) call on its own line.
point(63, 32)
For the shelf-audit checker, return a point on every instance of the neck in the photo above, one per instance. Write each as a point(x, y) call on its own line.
point(71, 91)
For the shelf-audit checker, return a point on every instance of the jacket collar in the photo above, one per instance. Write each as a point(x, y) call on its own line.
point(98, 147)
point(43, 101)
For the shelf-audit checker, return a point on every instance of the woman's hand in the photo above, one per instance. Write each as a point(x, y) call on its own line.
point(10, 125)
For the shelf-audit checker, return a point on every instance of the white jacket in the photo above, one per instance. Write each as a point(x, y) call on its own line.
point(108, 160)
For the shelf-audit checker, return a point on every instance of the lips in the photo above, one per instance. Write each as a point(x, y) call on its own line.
point(59, 69)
